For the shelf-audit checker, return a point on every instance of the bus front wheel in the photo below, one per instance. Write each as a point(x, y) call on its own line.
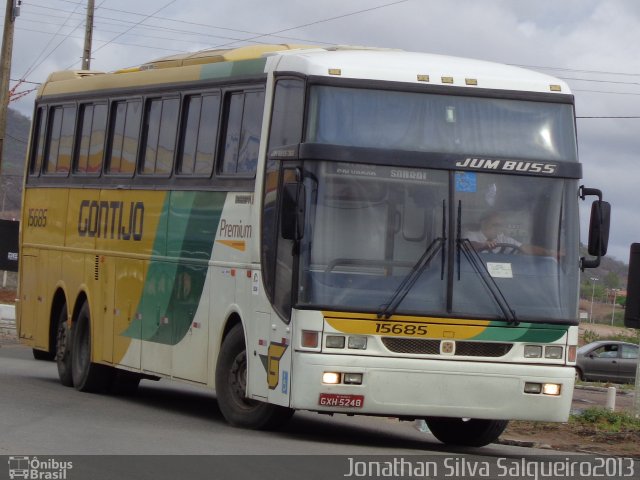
point(473, 432)
point(231, 387)
point(87, 376)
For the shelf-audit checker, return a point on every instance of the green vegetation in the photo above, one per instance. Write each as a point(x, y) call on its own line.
point(591, 336)
point(606, 420)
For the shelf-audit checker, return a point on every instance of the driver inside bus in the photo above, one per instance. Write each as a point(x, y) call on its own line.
point(491, 238)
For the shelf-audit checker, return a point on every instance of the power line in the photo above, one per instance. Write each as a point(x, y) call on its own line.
point(609, 116)
point(564, 69)
point(318, 22)
point(101, 19)
point(33, 66)
point(128, 30)
point(127, 44)
point(606, 92)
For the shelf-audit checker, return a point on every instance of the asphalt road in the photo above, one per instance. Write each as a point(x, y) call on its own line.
point(38, 416)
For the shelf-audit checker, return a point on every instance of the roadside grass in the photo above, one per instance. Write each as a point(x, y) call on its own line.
point(591, 336)
point(605, 420)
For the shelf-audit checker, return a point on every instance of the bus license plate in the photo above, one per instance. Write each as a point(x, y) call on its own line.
point(341, 400)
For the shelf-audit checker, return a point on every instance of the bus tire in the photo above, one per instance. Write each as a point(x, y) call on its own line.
point(231, 375)
point(472, 432)
point(42, 355)
point(63, 349)
point(87, 376)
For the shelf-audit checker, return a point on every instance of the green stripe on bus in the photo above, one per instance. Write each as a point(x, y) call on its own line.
point(233, 69)
point(522, 333)
point(172, 288)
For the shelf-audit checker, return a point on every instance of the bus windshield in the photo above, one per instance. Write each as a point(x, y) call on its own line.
point(433, 242)
point(441, 123)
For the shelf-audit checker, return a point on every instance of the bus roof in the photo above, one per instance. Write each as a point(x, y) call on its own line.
point(339, 61)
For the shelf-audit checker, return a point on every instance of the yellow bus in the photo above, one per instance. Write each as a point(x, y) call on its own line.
point(349, 230)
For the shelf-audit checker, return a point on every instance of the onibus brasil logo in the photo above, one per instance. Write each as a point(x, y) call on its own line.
point(38, 469)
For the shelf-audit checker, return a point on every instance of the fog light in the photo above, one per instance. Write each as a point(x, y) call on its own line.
point(532, 387)
point(309, 339)
point(554, 353)
point(358, 343)
point(331, 377)
point(532, 351)
point(551, 389)
point(334, 341)
point(352, 378)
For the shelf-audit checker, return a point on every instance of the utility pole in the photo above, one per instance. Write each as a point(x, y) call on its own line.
point(12, 11)
point(88, 37)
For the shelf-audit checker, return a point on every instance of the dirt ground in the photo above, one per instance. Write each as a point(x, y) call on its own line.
point(8, 297)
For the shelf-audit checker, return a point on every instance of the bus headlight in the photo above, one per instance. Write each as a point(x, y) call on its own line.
point(532, 351)
point(551, 389)
point(334, 341)
point(553, 353)
point(332, 378)
point(358, 343)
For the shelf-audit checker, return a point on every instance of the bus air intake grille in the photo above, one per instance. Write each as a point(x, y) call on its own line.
point(432, 347)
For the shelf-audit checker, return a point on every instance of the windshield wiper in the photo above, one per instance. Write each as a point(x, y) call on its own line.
point(465, 245)
point(411, 278)
point(389, 308)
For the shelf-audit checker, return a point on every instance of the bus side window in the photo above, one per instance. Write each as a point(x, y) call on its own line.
point(37, 147)
point(199, 136)
point(242, 136)
point(93, 124)
point(60, 140)
point(161, 124)
point(123, 137)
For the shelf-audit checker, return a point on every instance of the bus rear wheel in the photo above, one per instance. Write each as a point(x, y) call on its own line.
point(63, 349)
point(473, 432)
point(87, 376)
point(231, 387)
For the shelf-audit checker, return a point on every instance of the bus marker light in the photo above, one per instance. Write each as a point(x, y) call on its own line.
point(551, 389)
point(553, 352)
point(532, 351)
point(352, 378)
point(532, 387)
point(358, 343)
point(332, 378)
point(309, 339)
point(423, 78)
point(335, 341)
point(335, 71)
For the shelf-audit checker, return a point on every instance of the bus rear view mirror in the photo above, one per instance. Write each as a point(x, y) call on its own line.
point(632, 308)
point(599, 228)
point(293, 210)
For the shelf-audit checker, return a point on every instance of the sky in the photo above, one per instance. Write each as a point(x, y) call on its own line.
point(591, 44)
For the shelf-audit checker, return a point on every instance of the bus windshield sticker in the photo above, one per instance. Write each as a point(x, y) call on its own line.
point(499, 270)
point(466, 182)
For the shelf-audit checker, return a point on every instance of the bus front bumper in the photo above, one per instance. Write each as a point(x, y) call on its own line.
point(419, 388)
